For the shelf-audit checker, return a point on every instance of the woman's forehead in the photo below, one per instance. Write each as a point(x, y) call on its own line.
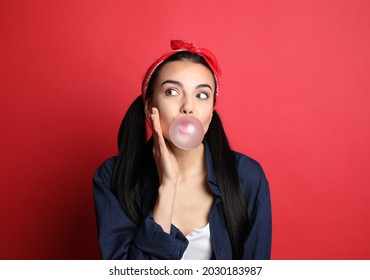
point(186, 71)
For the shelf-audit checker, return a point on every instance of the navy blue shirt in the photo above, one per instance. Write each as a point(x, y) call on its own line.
point(120, 238)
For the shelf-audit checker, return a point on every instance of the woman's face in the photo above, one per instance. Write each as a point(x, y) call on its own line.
point(183, 87)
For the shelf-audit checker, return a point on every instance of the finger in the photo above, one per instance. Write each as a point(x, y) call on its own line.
point(157, 152)
point(158, 130)
point(155, 122)
point(155, 135)
point(155, 119)
point(161, 142)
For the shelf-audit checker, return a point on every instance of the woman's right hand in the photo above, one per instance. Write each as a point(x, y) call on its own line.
point(165, 160)
point(168, 171)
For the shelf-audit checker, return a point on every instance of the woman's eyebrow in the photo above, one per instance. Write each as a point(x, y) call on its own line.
point(180, 84)
point(172, 82)
point(204, 85)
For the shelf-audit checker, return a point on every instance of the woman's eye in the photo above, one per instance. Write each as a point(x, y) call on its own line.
point(202, 95)
point(171, 92)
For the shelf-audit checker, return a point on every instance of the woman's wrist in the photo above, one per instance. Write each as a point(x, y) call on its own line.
point(168, 186)
point(162, 212)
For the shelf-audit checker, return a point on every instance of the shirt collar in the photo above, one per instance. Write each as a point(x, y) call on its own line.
point(211, 176)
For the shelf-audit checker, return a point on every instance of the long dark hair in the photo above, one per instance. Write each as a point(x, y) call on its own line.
point(135, 157)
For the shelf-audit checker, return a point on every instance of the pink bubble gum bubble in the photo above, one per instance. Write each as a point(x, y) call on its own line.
point(186, 132)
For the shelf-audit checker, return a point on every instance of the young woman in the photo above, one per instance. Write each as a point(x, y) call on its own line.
point(158, 201)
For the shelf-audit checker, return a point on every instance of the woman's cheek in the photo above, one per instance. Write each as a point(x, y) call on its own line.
point(163, 120)
point(165, 126)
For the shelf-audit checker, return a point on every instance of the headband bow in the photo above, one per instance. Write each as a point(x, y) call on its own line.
point(180, 46)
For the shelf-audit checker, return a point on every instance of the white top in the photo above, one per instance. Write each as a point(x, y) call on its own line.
point(199, 247)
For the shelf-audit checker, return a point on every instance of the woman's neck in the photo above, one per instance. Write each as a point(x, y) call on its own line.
point(191, 163)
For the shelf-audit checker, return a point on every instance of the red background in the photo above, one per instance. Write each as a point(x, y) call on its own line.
point(295, 95)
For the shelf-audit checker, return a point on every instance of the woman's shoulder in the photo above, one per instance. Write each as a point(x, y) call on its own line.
point(246, 163)
point(104, 172)
point(251, 173)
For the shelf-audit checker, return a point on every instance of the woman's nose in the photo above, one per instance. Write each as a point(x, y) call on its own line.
point(187, 107)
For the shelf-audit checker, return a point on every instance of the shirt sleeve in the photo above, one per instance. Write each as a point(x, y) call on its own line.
point(119, 237)
point(257, 245)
